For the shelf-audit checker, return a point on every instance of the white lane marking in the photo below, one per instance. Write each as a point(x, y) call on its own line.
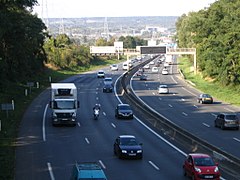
point(96, 98)
point(174, 80)
point(43, 123)
point(104, 114)
point(170, 105)
point(160, 99)
point(103, 166)
point(189, 91)
point(79, 124)
point(96, 92)
point(149, 89)
point(195, 106)
point(50, 171)
point(154, 165)
point(182, 99)
point(185, 114)
point(236, 139)
point(87, 141)
point(174, 94)
point(214, 114)
point(154, 93)
point(113, 125)
point(205, 124)
point(229, 109)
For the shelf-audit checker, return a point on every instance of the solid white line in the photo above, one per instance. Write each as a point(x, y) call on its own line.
point(185, 114)
point(50, 171)
point(113, 125)
point(155, 166)
point(87, 141)
point(207, 125)
point(43, 123)
point(229, 109)
point(103, 166)
point(189, 91)
point(174, 80)
point(236, 139)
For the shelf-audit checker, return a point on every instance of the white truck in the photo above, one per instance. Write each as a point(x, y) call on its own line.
point(169, 59)
point(64, 103)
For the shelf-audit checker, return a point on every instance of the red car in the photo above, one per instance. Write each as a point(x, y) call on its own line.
point(201, 166)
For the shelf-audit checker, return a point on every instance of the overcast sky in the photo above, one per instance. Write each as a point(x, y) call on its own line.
point(117, 8)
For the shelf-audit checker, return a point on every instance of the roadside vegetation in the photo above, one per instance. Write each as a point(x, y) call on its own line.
point(220, 92)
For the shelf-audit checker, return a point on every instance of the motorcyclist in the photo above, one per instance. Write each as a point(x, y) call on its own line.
point(96, 110)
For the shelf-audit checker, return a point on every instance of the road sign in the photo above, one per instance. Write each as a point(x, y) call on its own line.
point(153, 49)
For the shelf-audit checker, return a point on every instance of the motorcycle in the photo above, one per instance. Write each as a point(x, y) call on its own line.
point(96, 114)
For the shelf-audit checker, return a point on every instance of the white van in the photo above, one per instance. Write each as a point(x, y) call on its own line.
point(125, 66)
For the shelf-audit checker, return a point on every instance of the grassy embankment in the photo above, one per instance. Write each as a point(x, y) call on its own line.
point(218, 91)
point(10, 124)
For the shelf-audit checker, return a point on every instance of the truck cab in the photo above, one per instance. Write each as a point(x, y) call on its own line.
point(87, 171)
point(64, 103)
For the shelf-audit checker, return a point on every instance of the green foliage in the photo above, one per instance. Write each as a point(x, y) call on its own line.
point(21, 40)
point(215, 33)
point(131, 42)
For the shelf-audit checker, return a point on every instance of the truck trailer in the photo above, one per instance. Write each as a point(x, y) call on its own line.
point(64, 104)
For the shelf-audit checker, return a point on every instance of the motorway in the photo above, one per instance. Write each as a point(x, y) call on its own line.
point(47, 152)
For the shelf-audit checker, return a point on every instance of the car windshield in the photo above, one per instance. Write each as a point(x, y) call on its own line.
point(203, 161)
point(128, 142)
point(206, 96)
point(163, 86)
point(64, 105)
point(231, 117)
point(124, 107)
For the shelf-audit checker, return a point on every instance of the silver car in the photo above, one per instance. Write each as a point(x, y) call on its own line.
point(227, 120)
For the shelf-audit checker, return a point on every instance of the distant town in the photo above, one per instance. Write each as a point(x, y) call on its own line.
point(88, 30)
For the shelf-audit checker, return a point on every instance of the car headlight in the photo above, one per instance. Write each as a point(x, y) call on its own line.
point(139, 151)
point(216, 169)
point(197, 169)
point(124, 151)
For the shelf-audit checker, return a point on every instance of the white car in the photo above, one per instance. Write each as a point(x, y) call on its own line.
point(147, 66)
point(152, 63)
point(125, 66)
point(114, 67)
point(164, 72)
point(154, 69)
point(163, 89)
point(101, 74)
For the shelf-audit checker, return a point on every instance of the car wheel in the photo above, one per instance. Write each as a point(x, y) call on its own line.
point(184, 172)
point(222, 127)
point(193, 177)
point(215, 124)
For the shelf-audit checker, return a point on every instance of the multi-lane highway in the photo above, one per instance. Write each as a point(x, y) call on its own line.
point(47, 152)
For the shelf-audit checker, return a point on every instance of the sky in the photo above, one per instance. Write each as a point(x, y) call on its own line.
point(117, 8)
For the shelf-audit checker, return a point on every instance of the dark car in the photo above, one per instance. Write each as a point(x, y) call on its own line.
point(107, 88)
point(143, 77)
point(123, 111)
point(205, 98)
point(127, 146)
point(200, 166)
point(227, 120)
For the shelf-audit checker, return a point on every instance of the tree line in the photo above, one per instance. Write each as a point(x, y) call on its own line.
point(26, 46)
point(214, 32)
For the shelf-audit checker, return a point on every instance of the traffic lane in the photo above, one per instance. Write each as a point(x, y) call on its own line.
point(156, 154)
point(30, 142)
point(88, 137)
point(187, 114)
